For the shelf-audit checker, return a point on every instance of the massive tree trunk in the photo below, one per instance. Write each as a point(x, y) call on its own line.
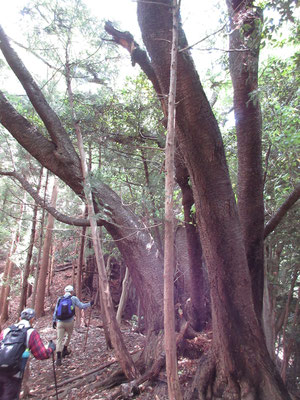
point(196, 271)
point(245, 24)
point(58, 155)
point(242, 367)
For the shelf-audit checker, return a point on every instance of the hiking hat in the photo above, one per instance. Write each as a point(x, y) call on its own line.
point(27, 314)
point(69, 288)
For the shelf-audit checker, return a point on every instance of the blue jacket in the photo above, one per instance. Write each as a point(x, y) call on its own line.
point(76, 302)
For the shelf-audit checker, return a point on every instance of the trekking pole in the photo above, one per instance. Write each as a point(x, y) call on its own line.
point(88, 327)
point(54, 373)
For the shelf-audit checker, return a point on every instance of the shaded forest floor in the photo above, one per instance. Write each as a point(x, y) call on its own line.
point(84, 361)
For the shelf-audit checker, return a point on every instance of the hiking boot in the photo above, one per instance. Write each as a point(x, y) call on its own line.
point(58, 358)
point(65, 352)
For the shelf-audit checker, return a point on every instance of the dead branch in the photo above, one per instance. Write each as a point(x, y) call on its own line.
point(43, 203)
point(66, 266)
point(91, 371)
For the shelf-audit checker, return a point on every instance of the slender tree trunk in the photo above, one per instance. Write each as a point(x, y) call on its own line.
point(24, 288)
point(41, 288)
point(284, 337)
point(272, 260)
point(6, 271)
point(79, 270)
point(169, 257)
point(292, 342)
point(37, 266)
point(51, 269)
point(268, 319)
point(4, 203)
point(122, 354)
point(9, 271)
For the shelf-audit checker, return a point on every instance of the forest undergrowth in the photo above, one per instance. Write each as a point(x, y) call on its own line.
point(88, 366)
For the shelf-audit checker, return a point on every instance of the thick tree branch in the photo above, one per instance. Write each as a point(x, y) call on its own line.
point(276, 219)
point(53, 124)
point(24, 132)
point(34, 194)
point(39, 147)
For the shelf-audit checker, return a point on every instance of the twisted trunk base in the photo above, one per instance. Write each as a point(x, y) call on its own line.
point(213, 383)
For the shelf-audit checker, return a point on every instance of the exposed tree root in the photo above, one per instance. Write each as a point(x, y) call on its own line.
point(258, 382)
point(158, 361)
point(204, 376)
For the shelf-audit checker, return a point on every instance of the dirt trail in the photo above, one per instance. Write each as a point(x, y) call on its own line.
point(41, 378)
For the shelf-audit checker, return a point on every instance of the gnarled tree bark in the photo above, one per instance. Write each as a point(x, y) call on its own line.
point(243, 368)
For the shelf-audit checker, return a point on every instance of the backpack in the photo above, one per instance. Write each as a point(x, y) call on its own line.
point(65, 308)
point(12, 346)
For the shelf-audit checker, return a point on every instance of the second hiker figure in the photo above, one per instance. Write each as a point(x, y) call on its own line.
point(63, 320)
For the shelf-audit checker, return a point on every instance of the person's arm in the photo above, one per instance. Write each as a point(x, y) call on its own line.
point(78, 303)
point(37, 347)
point(1, 335)
point(54, 313)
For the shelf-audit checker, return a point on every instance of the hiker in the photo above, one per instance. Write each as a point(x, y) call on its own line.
point(63, 319)
point(15, 343)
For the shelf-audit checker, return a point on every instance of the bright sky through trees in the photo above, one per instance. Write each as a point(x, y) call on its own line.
point(200, 20)
point(199, 17)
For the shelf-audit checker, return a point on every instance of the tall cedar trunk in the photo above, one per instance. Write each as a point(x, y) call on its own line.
point(237, 335)
point(80, 268)
point(59, 156)
point(24, 288)
point(51, 269)
point(40, 246)
point(41, 287)
point(7, 267)
point(245, 24)
point(5, 290)
point(5, 282)
point(169, 256)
